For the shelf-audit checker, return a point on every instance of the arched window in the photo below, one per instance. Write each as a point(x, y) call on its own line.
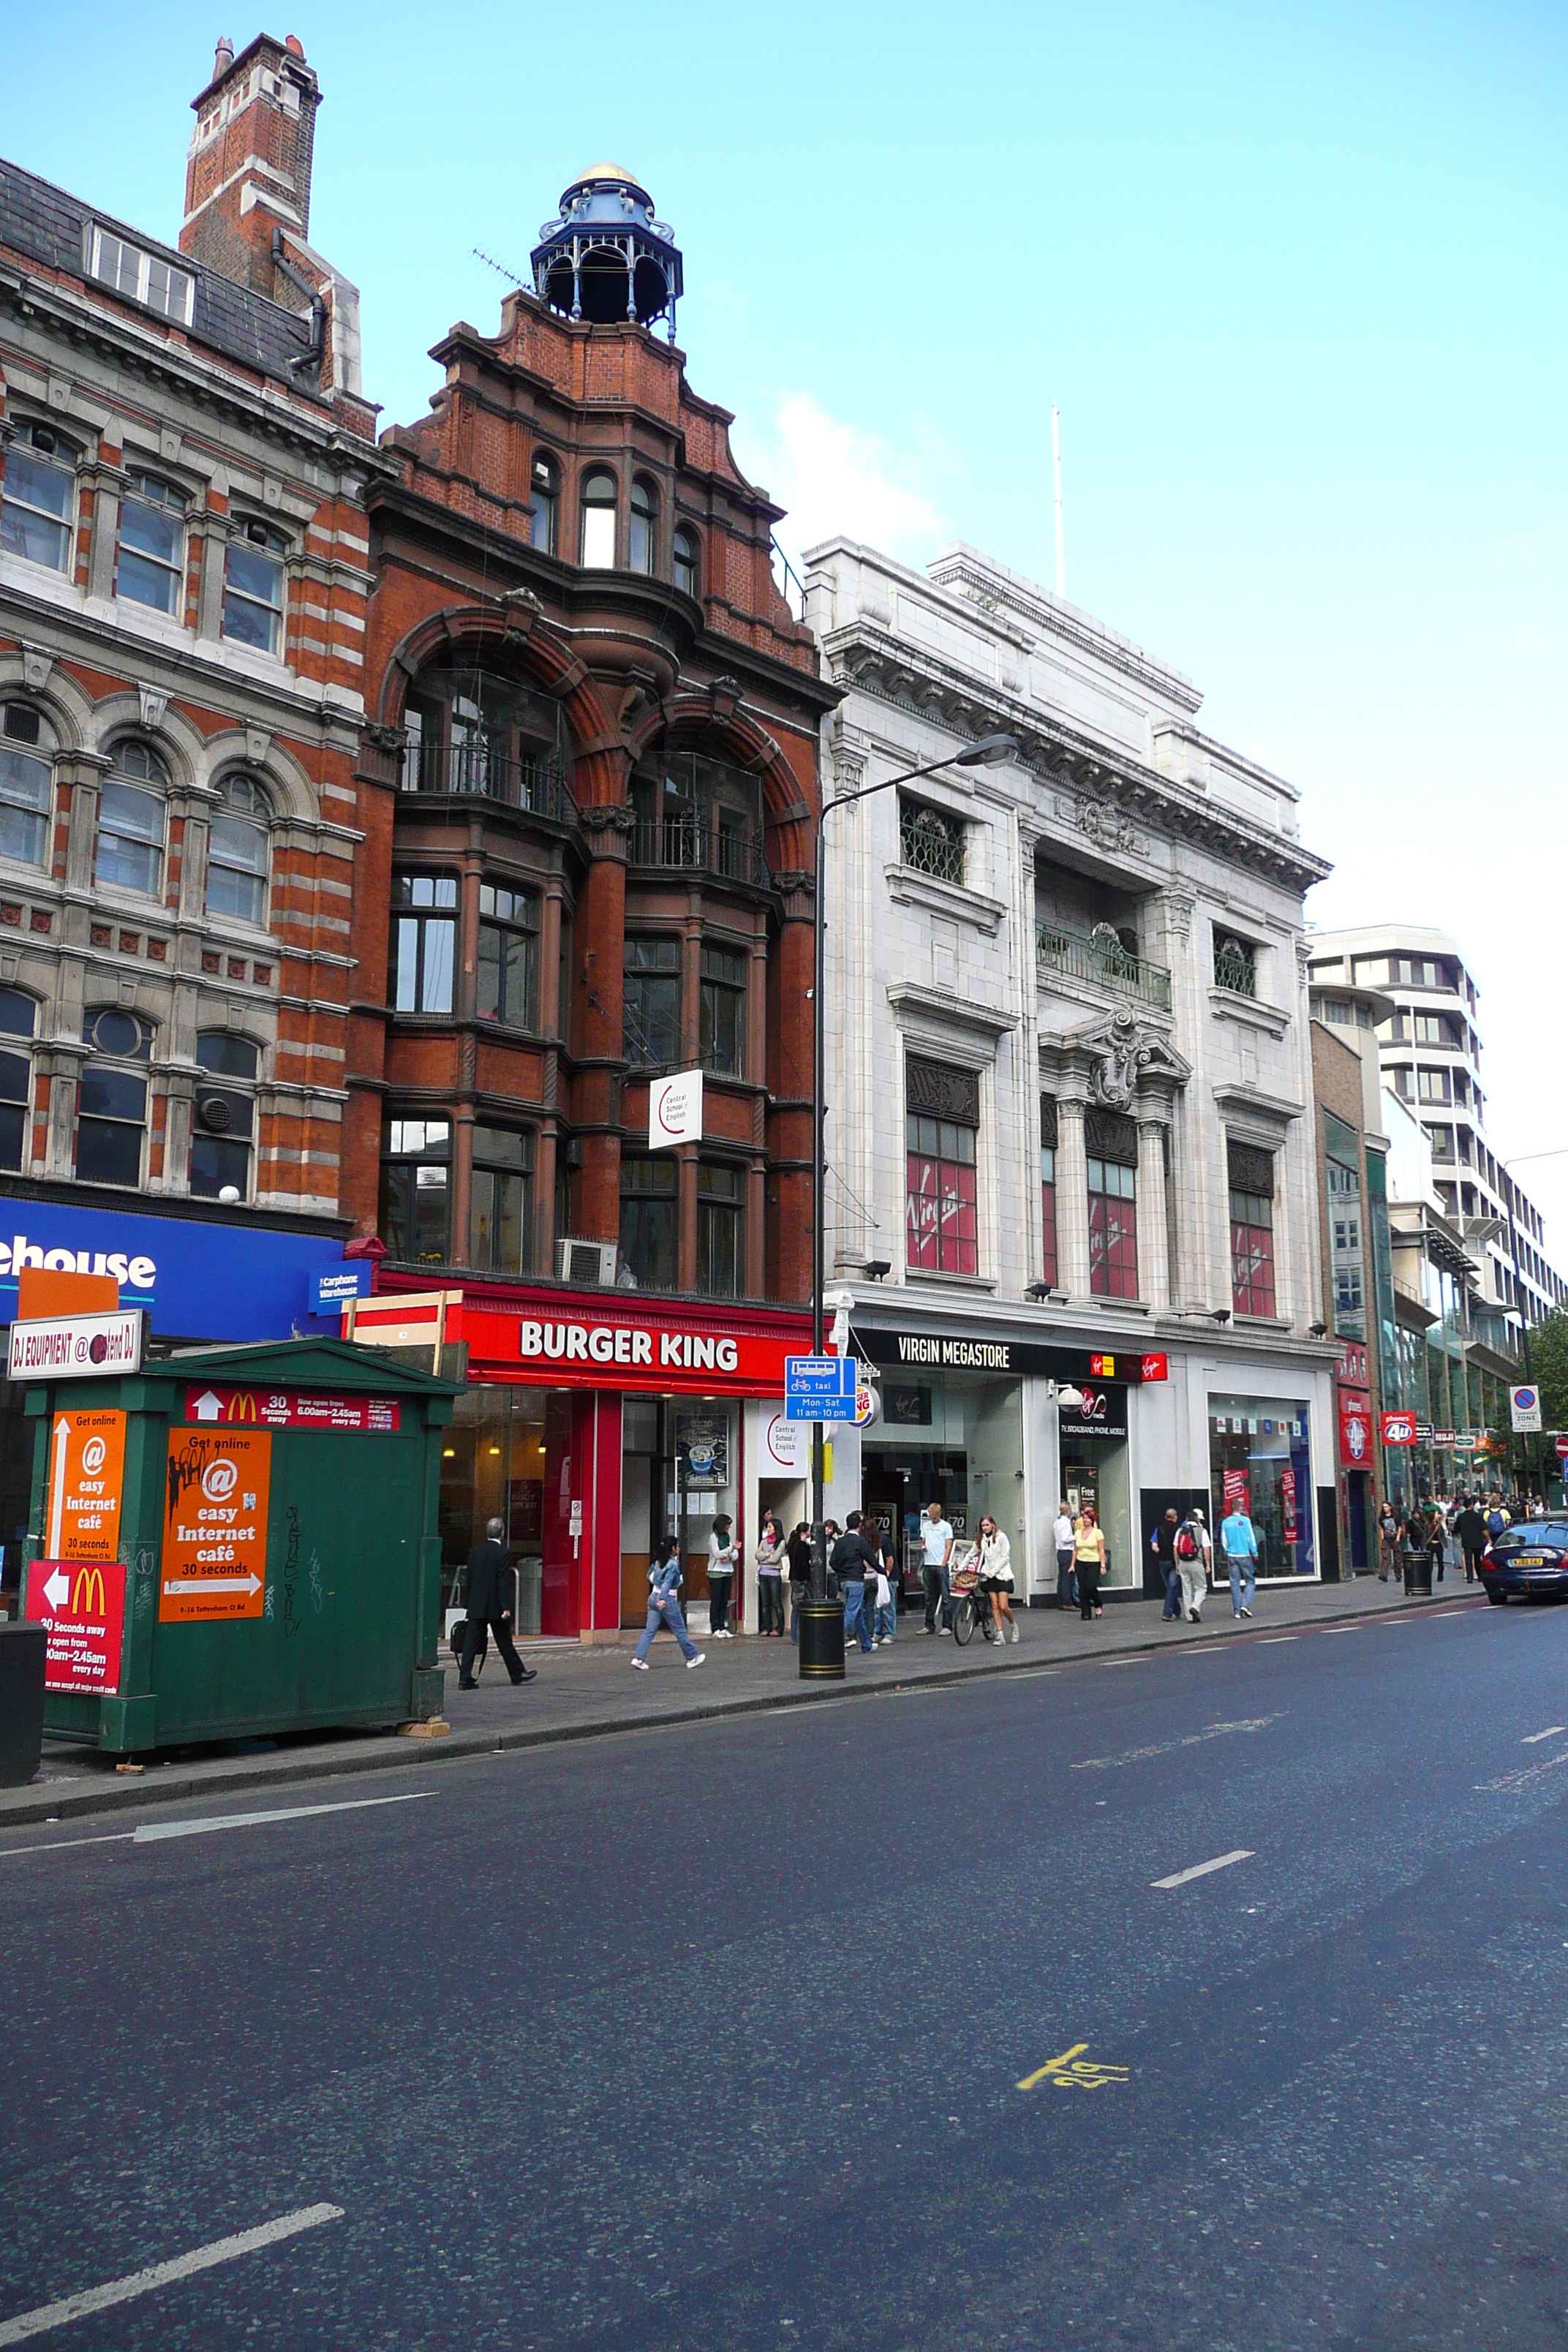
point(644, 524)
point(224, 1123)
point(545, 500)
point(598, 500)
point(237, 852)
point(17, 1016)
point(26, 744)
point(686, 574)
point(131, 819)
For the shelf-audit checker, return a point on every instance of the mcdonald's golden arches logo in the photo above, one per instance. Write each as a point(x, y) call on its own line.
point(87, 1597)
point(242, 1405)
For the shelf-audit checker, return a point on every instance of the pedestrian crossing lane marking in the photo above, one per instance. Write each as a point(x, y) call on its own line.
point(50, 2315)
point(1073, 2071)
point(1552, 1731)
point(1202, 1869)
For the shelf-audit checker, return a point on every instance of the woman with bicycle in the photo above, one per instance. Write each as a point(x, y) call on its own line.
point(996, 1566)
point(1088, 1553)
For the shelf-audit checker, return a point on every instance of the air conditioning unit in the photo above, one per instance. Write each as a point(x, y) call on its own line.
point(587, 1263)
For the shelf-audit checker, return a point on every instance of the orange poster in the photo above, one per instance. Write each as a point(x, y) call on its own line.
point(87, 1473)
point(214, 1523)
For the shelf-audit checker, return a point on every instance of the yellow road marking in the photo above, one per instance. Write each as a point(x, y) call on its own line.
point(1073, 2071)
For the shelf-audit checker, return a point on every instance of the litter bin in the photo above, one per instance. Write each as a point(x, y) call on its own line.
point(822, 1641)
point(21, 1702)
point(1418, 1571)
point(255, 1552)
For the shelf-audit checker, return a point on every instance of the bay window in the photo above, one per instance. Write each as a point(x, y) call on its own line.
point(500, 1213)
point(721, 1230)
point(650, 1219)
point(424, 941)
point(415, 1189)
point(508, 957)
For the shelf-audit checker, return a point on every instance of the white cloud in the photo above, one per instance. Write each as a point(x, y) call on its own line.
point(832, 476)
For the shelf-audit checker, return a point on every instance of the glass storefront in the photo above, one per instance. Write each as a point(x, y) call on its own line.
point(1096, 1472)
point(951, 1440)
point(681, 1468)
point(1260, 1458)
point(508, 1456)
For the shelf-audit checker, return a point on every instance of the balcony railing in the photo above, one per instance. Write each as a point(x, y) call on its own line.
point(1101, 959)
point(536, 785)
point(702, 845)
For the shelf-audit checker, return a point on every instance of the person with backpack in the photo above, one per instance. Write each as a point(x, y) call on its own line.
point(1499, 1518)
point(1192, 1550)
point(664, 1606)
point(1162, 1544)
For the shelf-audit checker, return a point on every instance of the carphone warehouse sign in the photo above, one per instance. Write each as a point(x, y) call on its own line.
point(198, 1281)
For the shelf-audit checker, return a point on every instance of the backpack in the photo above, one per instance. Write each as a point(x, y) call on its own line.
point(1186, 1541)
point(1495, 1522)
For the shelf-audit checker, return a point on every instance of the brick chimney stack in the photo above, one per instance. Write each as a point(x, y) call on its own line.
point(249, 167)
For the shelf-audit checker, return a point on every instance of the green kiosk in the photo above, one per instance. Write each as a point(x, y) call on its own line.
point(234, 1541)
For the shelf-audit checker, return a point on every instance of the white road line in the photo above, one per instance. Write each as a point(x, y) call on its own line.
point(1202, 1869)
point(61, 1845)
point(150, 1830)
point(1272, 1639)
point(1552, 1731)
point(204, 2258)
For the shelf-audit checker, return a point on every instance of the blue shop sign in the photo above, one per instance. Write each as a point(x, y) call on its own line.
point(198, 1281)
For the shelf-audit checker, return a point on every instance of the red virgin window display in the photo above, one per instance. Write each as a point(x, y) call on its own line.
point(940, 1197)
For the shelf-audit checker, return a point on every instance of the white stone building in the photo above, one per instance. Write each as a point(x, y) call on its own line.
point(1069, 1078)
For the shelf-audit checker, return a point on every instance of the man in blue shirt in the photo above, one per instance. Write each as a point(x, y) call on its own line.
point(1238, 1542)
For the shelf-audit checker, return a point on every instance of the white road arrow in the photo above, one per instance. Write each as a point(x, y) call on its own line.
point(206, 1407)
point(57, 1591)
point(213, 1584)
point(57, 1484)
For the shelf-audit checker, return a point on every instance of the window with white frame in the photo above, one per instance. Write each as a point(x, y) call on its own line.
point(25, 785)
point(131, 815)
point(37, 503)
point(150, 556)
point(143, 277)
point(237, 852)
point(253, 582)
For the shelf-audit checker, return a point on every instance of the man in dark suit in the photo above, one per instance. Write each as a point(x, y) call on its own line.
point(488, 1562)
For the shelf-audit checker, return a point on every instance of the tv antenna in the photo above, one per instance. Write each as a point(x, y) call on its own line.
point(499, 267)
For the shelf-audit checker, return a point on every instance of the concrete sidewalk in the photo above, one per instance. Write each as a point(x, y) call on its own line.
point(586, 1693)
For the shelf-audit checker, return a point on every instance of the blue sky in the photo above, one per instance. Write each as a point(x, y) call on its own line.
point(1295, 275)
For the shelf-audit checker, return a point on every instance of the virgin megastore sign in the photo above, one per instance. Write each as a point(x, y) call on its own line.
point(198, 1281)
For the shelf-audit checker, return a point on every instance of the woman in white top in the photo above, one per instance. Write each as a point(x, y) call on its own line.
point(996, 1566)
point(1066, 1582)
point(723, 1554)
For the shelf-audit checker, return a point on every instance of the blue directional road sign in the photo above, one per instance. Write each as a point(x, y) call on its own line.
point(820, 1388)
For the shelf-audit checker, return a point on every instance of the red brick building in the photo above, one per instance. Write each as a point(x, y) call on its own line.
point(587, 796)
point(183, 456)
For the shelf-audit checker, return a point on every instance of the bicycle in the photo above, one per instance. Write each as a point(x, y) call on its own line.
point(971, 1601)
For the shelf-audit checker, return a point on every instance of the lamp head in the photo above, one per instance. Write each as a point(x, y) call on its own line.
point(988, 752)
point(1222, 1315)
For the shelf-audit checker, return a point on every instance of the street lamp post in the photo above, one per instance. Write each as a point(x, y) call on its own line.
point(988, 752)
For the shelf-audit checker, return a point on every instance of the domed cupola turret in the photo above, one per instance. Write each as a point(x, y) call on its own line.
point(607, 257)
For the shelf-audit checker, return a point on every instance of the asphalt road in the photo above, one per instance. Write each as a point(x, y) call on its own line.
point(712, 2037)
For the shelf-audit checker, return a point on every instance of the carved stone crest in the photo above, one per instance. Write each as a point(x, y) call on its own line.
point(1124, 1053)
point(1109, 829)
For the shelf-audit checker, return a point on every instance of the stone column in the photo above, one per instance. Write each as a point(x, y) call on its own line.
point(1154, 1255)
point(1072, 1199)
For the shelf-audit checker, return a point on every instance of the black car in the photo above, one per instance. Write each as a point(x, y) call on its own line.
point(1528, 1561)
